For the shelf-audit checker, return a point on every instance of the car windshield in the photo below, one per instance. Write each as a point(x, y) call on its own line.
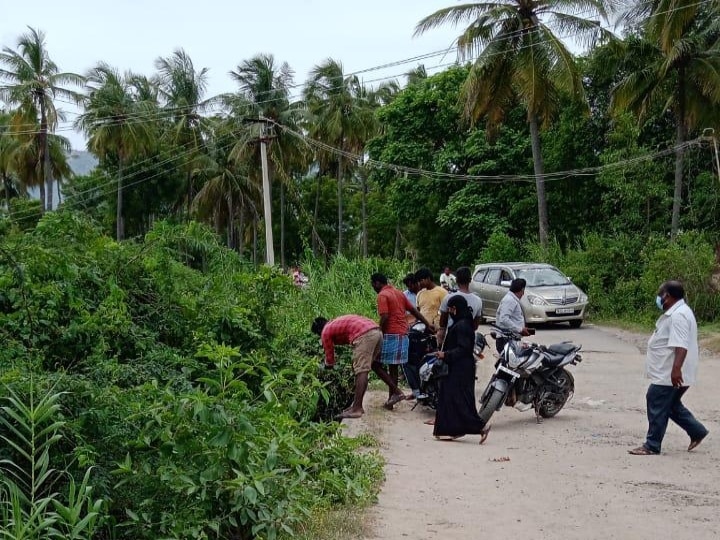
point(542, 277)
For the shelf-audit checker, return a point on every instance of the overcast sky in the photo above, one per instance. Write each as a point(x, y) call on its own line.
point(131, 34)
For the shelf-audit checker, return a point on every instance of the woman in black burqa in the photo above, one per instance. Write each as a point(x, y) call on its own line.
point(456, 413)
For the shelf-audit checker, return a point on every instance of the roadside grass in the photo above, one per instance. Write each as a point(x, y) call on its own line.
point(345, 523)
point(709, 335)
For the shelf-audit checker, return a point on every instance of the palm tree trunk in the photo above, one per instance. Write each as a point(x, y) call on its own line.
point(42, 196)
point(316, 213)
point(231, 222)
point(255, 240)
point(119, 225)
point(539, 178)
point(679, 156)
point(340, 205)
point(282, 225)
point(241, 231)
point(6, 187)
point(363, 180)
point(45, 193)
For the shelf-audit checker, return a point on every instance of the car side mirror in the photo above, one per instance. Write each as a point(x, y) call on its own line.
point(569, 279)
point(505, 284)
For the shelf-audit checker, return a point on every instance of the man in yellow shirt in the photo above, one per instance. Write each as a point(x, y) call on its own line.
point(430, 297)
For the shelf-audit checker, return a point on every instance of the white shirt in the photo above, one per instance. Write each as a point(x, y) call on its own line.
point(675, 328)
point(448, 280)
point(509, 314)
point(473, 300)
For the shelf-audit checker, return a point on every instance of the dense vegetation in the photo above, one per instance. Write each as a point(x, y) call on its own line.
point(162, 389)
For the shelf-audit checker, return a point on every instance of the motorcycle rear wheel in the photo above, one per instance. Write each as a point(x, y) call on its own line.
point(548, 409)
point(491, 404)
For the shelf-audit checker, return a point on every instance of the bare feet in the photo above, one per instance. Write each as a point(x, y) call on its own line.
point(395, 398)
point(430, 422)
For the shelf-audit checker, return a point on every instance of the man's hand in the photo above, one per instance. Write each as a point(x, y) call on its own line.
point(676, 376)
point(431, 328)
point(526, 332)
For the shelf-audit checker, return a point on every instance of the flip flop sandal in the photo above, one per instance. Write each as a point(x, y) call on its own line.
point(484, 434)
point(695, 443)
point(642, 451)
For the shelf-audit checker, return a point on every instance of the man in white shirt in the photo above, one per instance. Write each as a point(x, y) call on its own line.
point(464, 275)
point(447, 280)
point(509, 315)
point(671, 364)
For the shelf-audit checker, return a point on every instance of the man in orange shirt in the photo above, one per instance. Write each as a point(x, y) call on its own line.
point(392, 305)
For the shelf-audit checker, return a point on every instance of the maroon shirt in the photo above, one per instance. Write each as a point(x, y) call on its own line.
point(343, 331)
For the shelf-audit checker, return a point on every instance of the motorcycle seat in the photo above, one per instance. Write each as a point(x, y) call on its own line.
point(561, 349)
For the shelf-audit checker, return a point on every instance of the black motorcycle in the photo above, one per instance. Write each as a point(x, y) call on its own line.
point(421, 358)
point(528, 375)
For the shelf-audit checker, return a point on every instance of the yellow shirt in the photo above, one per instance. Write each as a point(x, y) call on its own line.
point(428, 303)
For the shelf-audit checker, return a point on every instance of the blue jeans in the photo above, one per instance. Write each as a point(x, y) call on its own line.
point(664, 403)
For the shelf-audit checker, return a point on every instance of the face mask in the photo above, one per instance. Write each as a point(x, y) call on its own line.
point(659, 302)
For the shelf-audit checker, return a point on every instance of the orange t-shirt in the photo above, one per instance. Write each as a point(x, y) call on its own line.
point(393, 303)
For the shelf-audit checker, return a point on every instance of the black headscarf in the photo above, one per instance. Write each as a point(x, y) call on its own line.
point(463, 311)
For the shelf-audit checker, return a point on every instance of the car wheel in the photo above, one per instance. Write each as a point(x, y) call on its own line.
point(575, 323)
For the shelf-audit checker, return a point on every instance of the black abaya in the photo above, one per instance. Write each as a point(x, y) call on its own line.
point(456, 411)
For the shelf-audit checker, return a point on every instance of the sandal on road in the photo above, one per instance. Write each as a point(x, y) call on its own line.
point(696, 442)
point(395, 398)
point(484, 434)
point(642, 451)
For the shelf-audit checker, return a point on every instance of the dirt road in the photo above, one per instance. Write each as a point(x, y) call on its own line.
point(570, 477)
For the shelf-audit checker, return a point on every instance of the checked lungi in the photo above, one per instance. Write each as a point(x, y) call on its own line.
point(394, 349)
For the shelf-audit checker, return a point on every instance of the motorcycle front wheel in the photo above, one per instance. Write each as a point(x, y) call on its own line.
point(491, 404)
point(566, 383)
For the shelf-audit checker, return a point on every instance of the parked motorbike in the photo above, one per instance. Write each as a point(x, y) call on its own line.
point(421, 362)
point(529, 375)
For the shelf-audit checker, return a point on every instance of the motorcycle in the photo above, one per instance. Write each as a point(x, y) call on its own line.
point(421, 362)
point(531, 376)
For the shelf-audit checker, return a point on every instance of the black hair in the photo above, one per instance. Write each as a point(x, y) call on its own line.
point(463, 275)
point(378, 277)
point(410, 279)
point(462, 310)
point(517, 285)
point(318, 325)
point(423, 273)
point(674, 288)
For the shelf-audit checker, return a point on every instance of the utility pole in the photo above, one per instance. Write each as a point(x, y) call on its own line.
point(267, 207)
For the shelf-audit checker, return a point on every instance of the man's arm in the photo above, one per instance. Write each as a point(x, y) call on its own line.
point(676, 374)
point(679, 339)
point(329, 347)
point(383, 312)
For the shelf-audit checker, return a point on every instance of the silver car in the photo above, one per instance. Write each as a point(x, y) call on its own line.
point(550, 296)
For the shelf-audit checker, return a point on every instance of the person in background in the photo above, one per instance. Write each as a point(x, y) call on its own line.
point(392, 305)
point(430, 297)
point(456, 414)
point(365, 337)
point(671, 364)
point(410, 292)
point(448, 280)
point(464, 275)
point(510, 315)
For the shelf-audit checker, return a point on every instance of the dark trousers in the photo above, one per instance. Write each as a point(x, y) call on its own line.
point(664, 403)
point(412, 375)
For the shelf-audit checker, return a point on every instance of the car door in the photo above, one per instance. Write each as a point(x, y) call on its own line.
point(491, 291)
point(478, 287)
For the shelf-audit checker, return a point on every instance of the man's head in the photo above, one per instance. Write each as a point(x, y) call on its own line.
point(318, 325)
point(463, 276)
point(411, 283)
point(378, 281)
point(670, 292)
point(425, 278)
point(446, 270)
point(517, 287)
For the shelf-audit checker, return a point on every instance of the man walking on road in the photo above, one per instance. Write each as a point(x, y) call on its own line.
point(671, 363)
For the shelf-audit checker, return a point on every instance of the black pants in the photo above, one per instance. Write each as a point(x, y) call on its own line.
point(664, 404)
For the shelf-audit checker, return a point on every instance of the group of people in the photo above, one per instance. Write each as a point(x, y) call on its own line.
point(382, 347)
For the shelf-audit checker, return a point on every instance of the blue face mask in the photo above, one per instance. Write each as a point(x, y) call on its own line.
point(659, 302)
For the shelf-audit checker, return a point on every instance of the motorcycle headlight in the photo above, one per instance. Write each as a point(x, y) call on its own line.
point(536, 300)
point(513, 360)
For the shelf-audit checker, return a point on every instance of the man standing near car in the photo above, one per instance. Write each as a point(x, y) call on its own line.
point(392, 305)
point(509, 314)
point(671, 364)
point(430, 296)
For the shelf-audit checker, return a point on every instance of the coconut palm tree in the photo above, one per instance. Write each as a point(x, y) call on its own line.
point(682, 39)
point(33, 81)
point(342, 117)
point(517, 55)
point(264, 94)
point(8, 147)
point(182, 89)
point(118, 123)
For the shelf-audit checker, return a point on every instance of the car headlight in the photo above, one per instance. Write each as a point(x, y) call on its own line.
point(582, 299)
point(536, 300)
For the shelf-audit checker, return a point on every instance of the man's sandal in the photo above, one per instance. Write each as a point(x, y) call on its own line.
point(696, 442)
point(642, 451)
